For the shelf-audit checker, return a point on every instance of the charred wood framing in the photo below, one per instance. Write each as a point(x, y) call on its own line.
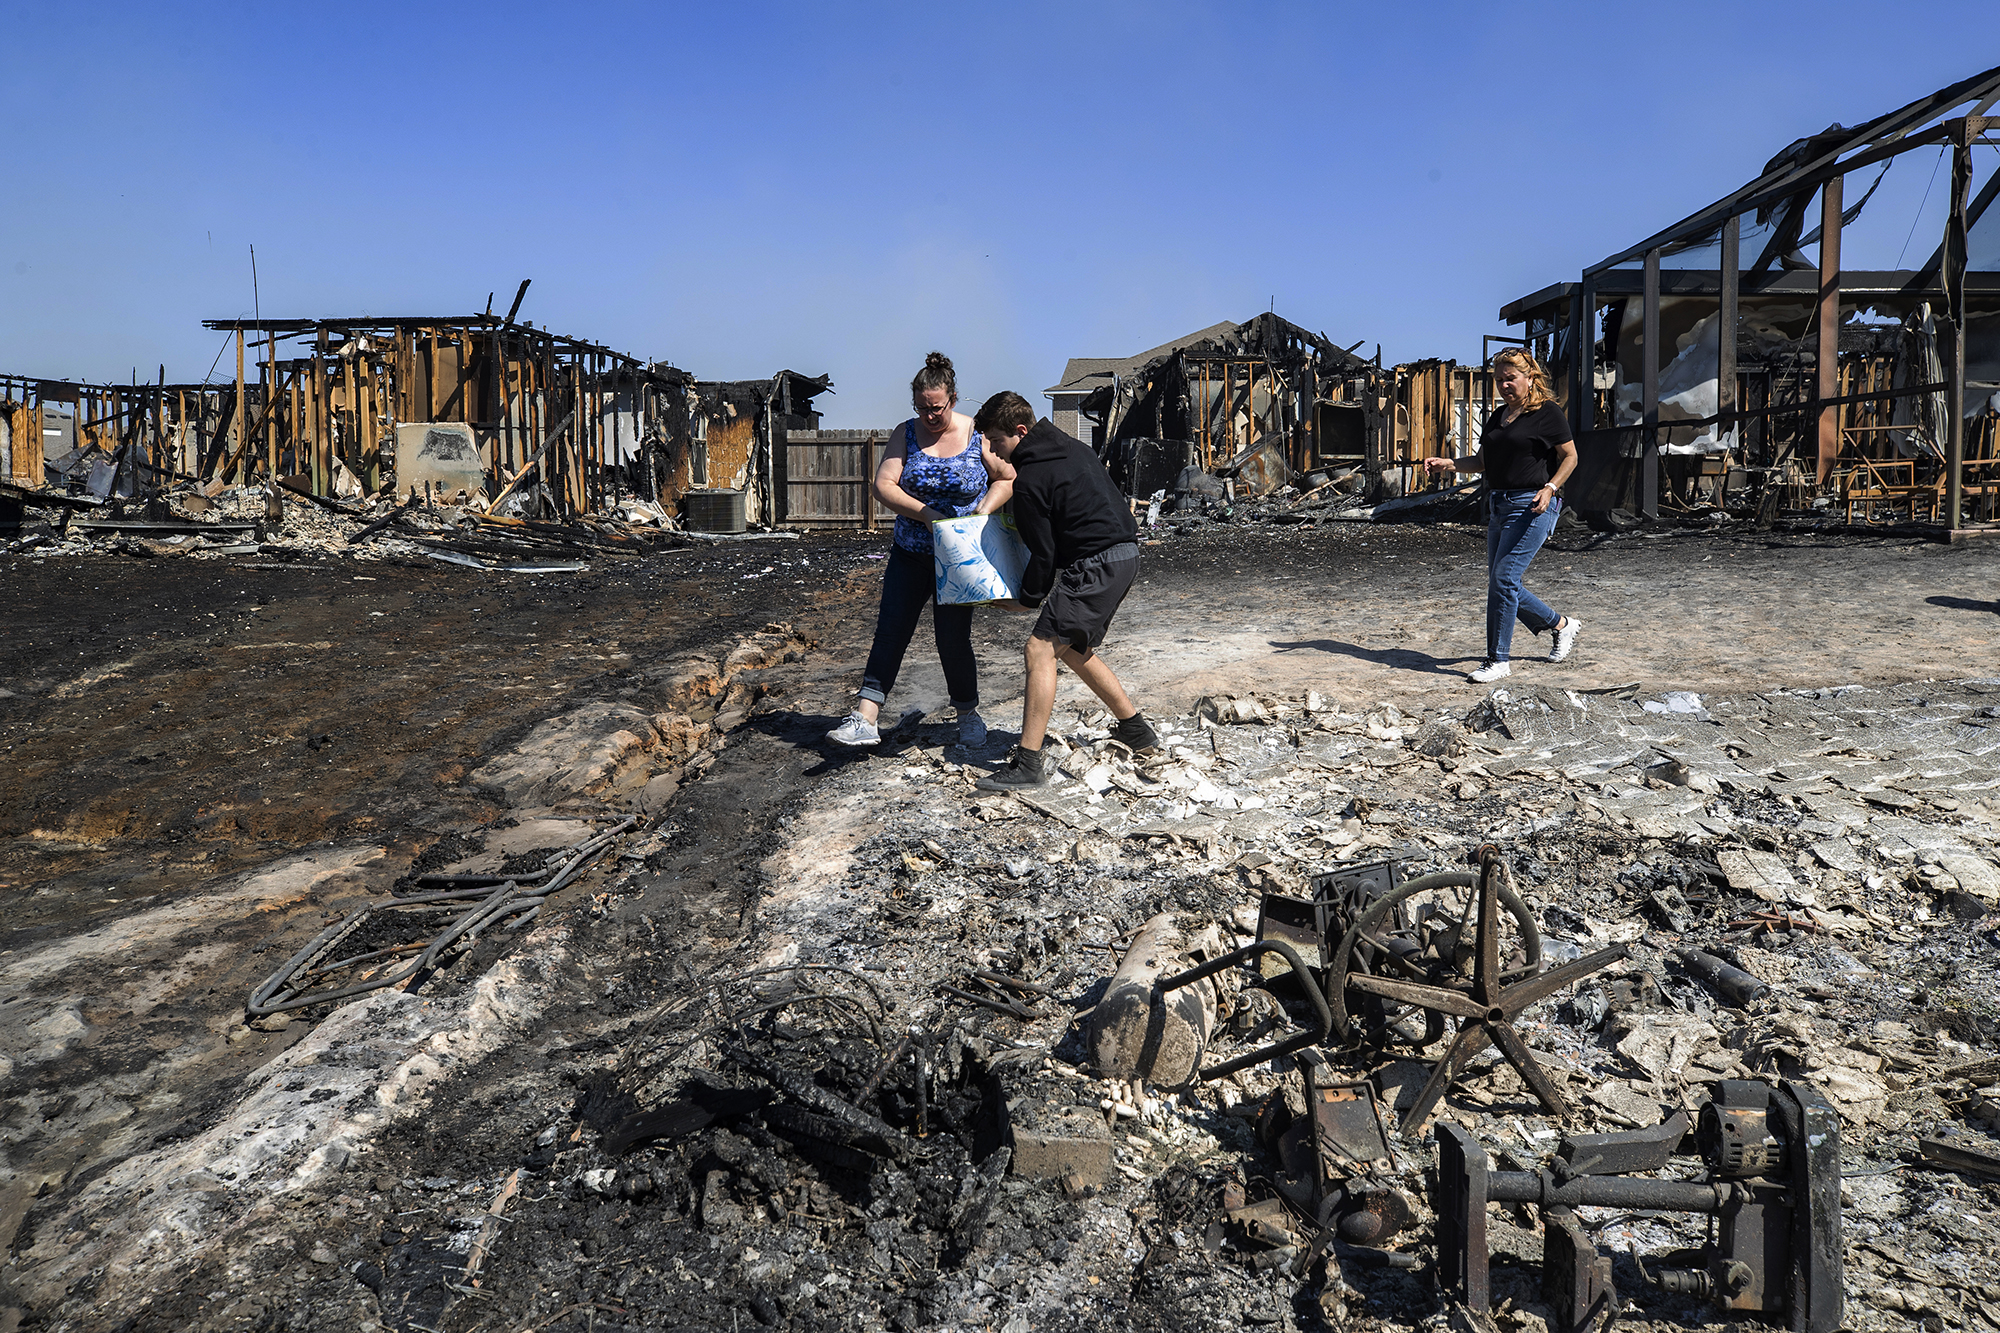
point(1795, 403)
point(322, 403)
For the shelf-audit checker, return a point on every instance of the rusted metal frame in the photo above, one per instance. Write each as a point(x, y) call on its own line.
point(1828, 340)
point(1322, 1015)
point(1649, 466)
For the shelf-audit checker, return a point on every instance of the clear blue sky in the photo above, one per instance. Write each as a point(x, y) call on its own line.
point(739, 188)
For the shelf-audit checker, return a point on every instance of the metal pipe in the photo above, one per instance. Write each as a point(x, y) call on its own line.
point(1676, 1196)
point(1732, 982)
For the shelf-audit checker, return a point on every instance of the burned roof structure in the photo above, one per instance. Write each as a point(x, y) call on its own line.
point(1216, 397)
point(1793, 382)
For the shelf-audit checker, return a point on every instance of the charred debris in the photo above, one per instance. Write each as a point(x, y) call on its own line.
point(479, 435)
point(1260, 1029)
point(1268, 420)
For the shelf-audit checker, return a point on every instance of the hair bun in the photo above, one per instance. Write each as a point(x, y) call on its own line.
point(938, 361)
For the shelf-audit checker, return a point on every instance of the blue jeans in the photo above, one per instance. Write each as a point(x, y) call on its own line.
point(909, 581)
point(1513, 535)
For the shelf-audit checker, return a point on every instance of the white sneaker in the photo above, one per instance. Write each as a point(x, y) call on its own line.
point(1565, 638)
point(855, 731)
point(1493, 671)
point(971, 729)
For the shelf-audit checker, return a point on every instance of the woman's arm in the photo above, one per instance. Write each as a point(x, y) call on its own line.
point(889, 491)
point(1000, 486)
point(1472, 462)
point(1565, 464)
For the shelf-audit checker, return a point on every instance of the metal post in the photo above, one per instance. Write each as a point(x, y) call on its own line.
point(1584, 357)
point(1649, 434)
point(1829, 324)
point(1962, 132)
point(1725, 337)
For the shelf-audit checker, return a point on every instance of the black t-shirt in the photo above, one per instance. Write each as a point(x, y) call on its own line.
point(1523, 456)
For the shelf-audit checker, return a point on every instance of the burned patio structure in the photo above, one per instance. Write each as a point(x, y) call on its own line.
point(1787, 383)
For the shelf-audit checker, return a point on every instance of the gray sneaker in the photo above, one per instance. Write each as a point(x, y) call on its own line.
point(856, 731)
point(971, 729)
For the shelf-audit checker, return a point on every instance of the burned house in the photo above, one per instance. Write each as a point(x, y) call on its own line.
point(539, 421)
point(1726, 368)
point(1266, 399)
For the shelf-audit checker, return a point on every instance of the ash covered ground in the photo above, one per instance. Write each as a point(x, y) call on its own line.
point(718, 1082)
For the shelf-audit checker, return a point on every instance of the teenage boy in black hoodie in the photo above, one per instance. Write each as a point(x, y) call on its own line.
point(1083, 553)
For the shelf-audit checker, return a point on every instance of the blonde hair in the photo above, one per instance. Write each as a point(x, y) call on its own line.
point(1541, 389)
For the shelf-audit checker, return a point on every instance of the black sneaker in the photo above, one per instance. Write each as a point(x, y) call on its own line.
point(1136, 733)
point(1025, 768)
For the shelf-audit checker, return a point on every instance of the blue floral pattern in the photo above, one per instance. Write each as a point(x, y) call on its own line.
point(949, 485)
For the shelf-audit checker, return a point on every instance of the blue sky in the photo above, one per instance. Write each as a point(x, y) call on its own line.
point(739, 188)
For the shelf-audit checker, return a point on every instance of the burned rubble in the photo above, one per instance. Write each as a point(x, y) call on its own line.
point(896, 1119)
point(852, 1060)
point(973, 1027)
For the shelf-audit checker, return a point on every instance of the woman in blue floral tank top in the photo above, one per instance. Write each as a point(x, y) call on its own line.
point(936, 467)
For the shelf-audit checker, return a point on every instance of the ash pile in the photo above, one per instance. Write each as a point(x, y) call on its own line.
point(1569, 1009)
point(1258, 487)
point(288, 524)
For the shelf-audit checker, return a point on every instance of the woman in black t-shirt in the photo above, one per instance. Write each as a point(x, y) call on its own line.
point(1527, 453)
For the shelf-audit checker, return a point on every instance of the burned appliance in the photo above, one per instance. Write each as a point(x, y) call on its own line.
point(1773, 1189)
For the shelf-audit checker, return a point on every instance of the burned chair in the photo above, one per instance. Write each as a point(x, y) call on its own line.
point(1397, 957)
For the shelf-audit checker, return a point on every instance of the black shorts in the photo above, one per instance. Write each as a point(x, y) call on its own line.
point(1087, 594)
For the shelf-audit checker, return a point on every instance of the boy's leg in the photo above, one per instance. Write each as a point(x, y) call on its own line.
point(1039, 697)
point(1103, 682)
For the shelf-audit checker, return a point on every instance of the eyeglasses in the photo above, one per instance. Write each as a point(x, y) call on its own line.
point(930, 410)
